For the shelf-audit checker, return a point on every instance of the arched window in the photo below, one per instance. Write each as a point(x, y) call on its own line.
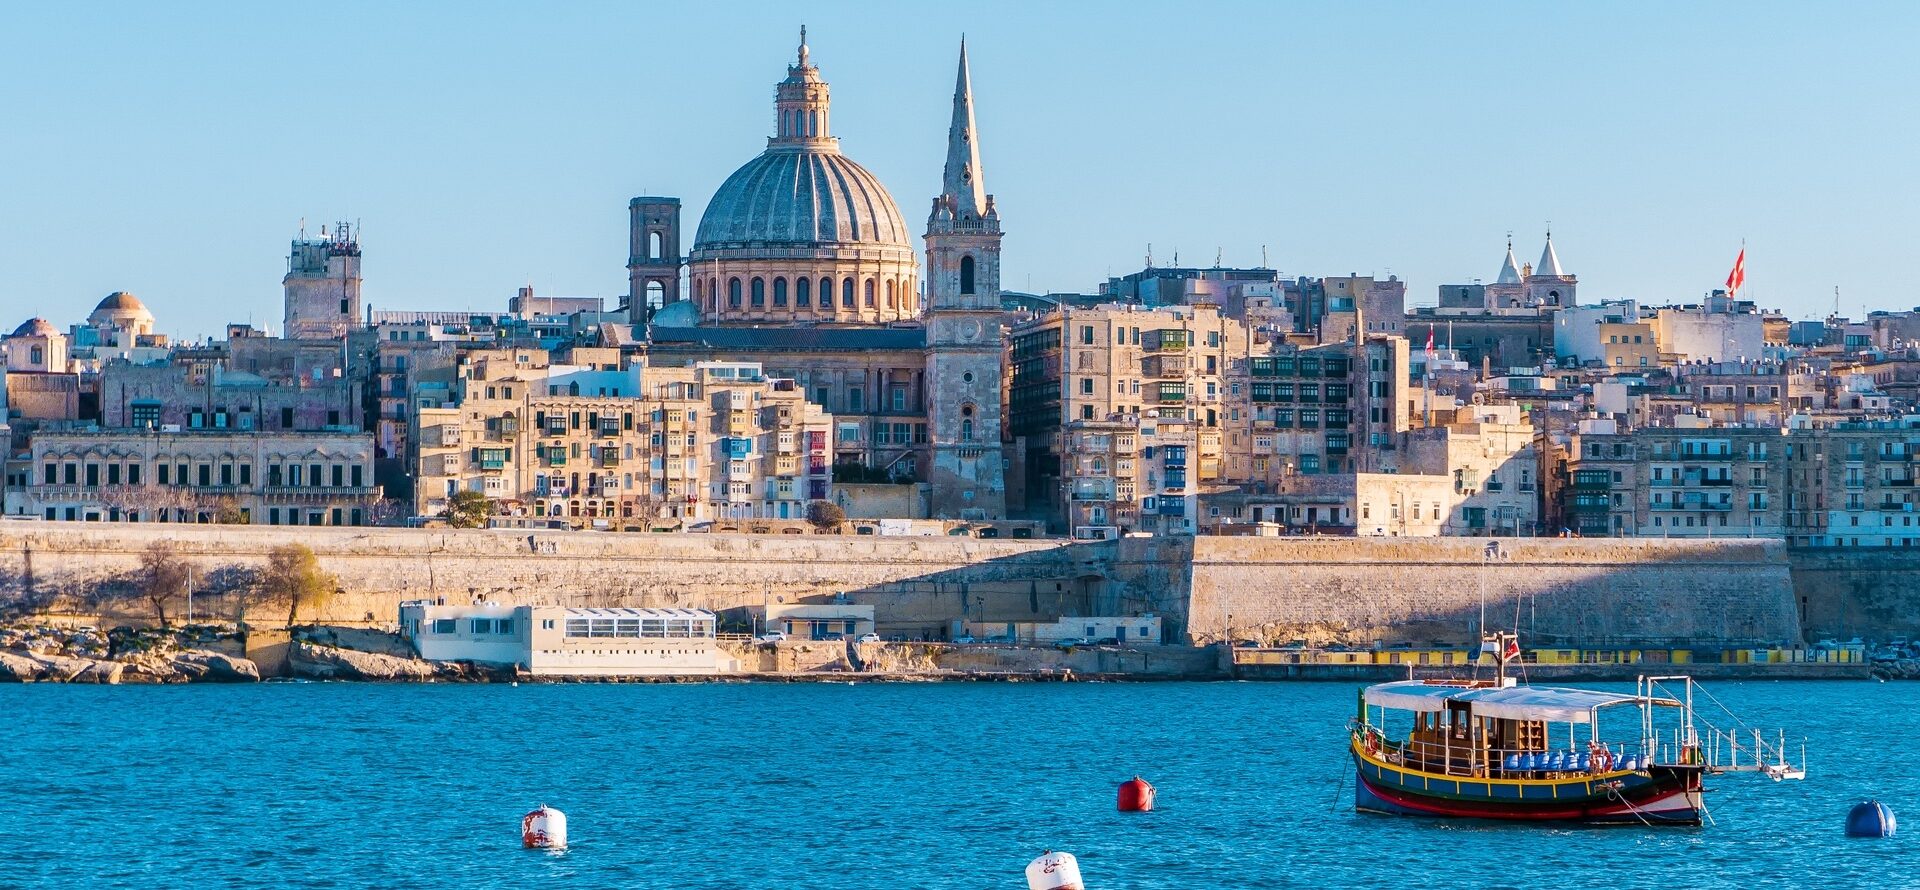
point(966, 423)
point(802, 292)
point(654, 248)
point(870, 290)
point(890, 297)
point(656, 294)
point(779, 292)
point(826, 294)
point(846, 292)
point(966, 274)
point(759, 291)
point(733, 293)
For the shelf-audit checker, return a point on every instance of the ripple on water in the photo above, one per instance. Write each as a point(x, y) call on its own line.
point(944, 787)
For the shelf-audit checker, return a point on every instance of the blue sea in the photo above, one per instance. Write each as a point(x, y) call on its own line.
point(954, 785)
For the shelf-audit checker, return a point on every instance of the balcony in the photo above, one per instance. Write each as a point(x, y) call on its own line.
point(556, 458)
point(1900, 482)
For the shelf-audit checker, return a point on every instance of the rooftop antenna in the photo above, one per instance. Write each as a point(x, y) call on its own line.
point(303, 228)
point(1263, 256)
point(1217, 253)
point(1149, 254)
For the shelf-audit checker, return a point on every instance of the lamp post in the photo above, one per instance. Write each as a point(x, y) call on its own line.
point(1492, 552)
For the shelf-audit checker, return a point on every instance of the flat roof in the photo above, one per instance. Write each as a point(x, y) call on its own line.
point(639, 613)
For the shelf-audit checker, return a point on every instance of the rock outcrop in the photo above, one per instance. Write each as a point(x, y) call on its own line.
point(202, 666)
point(319, 662)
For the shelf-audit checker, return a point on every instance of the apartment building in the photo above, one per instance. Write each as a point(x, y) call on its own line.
point(1690, 480)
point(622, 448)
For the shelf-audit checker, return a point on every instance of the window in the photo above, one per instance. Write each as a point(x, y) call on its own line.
point(779, 292)
point(446, 626)
point(802, 292)
point(1086, 386)
point(870, 294)
point(966, 274)
point(1086, 334)
point(759, 291)
point(846, 293)
point(733, 293)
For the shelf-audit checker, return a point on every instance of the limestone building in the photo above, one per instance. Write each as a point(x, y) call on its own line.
point(323, 285)
point(803, 263)
point(261, 478)
point(597, 445)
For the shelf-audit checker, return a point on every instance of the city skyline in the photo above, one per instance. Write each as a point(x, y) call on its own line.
point(486, 156)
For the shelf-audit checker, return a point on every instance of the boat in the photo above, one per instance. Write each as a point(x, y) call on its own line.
point(1498, 749)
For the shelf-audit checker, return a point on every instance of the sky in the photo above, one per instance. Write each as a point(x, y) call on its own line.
point(172, 150)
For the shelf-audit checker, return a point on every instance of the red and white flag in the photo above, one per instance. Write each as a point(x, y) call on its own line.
point(1738, 276)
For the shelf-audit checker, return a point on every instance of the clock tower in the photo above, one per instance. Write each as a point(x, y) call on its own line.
point(964, 336)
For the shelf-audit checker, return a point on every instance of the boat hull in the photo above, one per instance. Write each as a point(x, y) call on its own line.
point(1657, 795)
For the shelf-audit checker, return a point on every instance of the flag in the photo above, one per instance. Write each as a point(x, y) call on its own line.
point(1738, 276)
point(1512, 648)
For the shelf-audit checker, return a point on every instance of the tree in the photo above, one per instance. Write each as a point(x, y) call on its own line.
point(163, 578)
point(468, 509)
point(386, 511)
point(227, 511)
point(293, 574)
point(825, 515)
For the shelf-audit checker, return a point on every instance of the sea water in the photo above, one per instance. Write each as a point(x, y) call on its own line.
point(875, 785)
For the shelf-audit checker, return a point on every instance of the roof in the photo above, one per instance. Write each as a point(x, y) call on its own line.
point(801, 194)
point(1559, 704)
point(640, 613)
point(121, 300)
point(1509, 270)
point(1549, 261)
point(798, 339)
point(36, 327)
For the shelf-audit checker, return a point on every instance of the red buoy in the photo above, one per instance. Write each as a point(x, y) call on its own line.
point(1136, 795)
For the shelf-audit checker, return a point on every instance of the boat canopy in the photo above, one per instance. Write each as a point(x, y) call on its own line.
point(1555, 703)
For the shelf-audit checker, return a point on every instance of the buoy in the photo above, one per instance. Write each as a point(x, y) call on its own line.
point(1054, 871)
point(1136, 795)
point(1870, 819)
point(544, 829)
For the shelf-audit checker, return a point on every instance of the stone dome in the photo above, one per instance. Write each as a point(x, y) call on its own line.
point(120, 300)
point(36, 327)
point(803, 195)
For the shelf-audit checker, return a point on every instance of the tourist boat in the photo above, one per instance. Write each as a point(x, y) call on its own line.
point(1496, 749)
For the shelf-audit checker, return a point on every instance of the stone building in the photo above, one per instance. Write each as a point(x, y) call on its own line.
point(1153, 380)
point(262, 478)
point(1851, 484)
point(322, 285)
point(1688, 480)
point(622, 448)
point(802, 262)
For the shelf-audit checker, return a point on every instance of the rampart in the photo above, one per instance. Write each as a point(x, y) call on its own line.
point(1321, 589)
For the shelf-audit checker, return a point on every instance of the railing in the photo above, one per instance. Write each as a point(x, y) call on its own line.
point(1467, 759)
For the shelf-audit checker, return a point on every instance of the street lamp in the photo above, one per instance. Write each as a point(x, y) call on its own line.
point(1493, 551)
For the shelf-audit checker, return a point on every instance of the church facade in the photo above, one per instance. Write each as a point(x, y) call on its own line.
point(804, 263)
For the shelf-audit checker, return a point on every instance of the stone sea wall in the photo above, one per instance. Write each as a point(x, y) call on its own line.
point(1320, 589)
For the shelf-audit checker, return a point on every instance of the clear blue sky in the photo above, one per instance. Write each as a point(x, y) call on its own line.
point(171, 150)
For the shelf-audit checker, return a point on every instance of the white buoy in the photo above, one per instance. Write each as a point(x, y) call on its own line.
point(544, 829)
point(1054, 871)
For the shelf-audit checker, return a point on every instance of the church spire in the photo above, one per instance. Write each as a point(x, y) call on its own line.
point(1549, 261)
point(1509, 270)
point(964, 185)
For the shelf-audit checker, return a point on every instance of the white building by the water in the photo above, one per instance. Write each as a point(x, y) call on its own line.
point(559, 641)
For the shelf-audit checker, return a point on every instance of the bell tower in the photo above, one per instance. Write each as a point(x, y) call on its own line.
point(964, 335)
point(653, 256)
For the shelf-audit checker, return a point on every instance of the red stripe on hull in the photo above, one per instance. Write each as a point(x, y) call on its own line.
point(1656, 809)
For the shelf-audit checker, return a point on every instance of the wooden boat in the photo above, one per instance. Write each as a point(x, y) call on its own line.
point(1495, 749)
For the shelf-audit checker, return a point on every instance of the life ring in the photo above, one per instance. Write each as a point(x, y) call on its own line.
point(1600, 756)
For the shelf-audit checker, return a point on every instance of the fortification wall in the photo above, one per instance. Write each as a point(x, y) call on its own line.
point(1852, 592)
point(1320, 589)
point(919, 584)
point(1355, 590)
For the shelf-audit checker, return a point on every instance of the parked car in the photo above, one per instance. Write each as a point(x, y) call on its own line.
point(772, 636)
point(869, 638)
point(1246, 644)
point(963, 639)
point(1069, 643)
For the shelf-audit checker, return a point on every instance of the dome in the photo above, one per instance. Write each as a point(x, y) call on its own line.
point(801, 195)
point(36, 327)
point(120, 300)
